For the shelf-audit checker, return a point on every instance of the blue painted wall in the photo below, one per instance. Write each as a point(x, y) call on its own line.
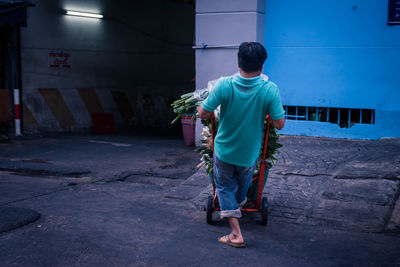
point(335, 54)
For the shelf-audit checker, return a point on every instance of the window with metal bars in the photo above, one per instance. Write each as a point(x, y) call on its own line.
point(394, 12)
point(344, 117)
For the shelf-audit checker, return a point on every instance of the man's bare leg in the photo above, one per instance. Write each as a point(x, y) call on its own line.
point(236, 235)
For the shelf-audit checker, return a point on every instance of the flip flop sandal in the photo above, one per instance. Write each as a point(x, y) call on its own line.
point(227, 241)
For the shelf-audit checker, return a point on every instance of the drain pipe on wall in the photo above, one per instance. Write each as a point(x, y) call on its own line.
point(207, 46)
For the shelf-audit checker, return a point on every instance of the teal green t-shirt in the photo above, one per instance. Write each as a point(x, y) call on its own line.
point(244, 105)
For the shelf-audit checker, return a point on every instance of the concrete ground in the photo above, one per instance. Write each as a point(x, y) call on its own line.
point(137, 201)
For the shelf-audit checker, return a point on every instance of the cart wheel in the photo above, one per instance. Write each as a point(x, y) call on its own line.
point(210, 204)
point(264, 211)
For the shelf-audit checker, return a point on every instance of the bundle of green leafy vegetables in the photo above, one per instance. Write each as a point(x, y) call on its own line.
point(188, 104)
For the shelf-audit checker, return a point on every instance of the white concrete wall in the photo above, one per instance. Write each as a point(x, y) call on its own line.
point(131, 50)
point(224, 24)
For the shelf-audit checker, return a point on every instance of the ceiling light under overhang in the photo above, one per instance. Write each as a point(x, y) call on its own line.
point(83, 14)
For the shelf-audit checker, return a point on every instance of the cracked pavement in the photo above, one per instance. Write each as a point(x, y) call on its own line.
point(137, 201)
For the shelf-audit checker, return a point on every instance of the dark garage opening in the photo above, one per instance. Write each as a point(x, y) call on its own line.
point(133, 63)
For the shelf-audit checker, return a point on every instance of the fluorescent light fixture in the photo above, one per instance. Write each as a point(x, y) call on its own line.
point(83, 14)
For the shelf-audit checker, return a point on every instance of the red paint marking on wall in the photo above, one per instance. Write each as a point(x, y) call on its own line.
point(59, 60)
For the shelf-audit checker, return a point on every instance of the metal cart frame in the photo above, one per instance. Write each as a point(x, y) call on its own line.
point(261, 203)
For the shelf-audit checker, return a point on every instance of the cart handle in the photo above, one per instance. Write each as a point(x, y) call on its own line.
point(213, 133)
point(213, 130)
point(268, 118)
point(262, 165)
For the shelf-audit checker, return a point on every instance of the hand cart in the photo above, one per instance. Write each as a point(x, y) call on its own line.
point(261, 203)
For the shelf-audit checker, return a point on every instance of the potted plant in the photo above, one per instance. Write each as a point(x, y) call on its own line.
point(185, 108)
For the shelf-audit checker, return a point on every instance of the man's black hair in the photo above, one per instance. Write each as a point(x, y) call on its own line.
point(251, 56)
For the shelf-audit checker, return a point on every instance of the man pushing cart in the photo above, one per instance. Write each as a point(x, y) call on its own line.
point(245, 101)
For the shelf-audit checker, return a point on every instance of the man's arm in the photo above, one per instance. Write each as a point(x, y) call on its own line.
point(203, 114)
point(278, 124)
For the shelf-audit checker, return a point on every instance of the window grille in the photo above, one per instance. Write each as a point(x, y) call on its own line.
point(394, 12)
point(344, 117)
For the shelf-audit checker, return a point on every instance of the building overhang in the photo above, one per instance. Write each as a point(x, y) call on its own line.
point(14, 12)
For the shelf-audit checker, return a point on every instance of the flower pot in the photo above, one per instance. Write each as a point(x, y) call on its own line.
point(189, 129)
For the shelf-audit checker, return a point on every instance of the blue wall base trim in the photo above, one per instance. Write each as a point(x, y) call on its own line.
point(323, 129)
